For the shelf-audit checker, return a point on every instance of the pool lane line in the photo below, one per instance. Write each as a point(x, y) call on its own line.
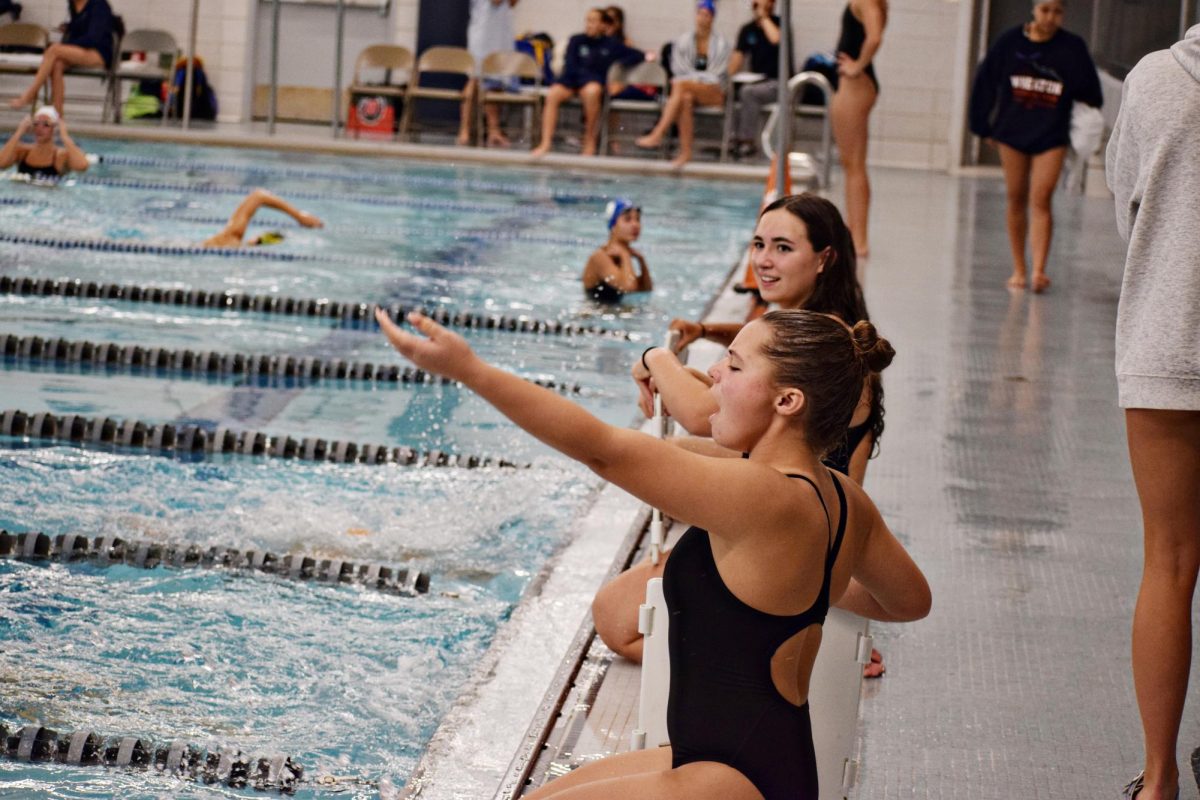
point(377, 178)
point(360, 313)
point(148, 554)
point(383, 201)
point(194, 441)
point(86, 748)
point(305, 370)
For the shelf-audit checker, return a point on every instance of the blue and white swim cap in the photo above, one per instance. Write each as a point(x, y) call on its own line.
point(707, 5)
point(616, 208)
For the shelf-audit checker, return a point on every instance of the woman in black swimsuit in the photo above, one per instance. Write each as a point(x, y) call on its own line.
point(43, 161)
point(862, 34)
point(765, 556)
point(802, 258)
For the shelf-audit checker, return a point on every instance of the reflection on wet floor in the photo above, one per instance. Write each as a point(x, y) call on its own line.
point(1004, 470)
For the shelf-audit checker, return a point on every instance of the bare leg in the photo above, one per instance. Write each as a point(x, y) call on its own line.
point(645, 774)
point(669, 115)
point(687, 127)
point(615, 608)
point(58, 86)
point(466, 111)
point(1016, 181)
point(850, 111)
point(495, 135)
point(1164, 451)
point(1043, 178)
point(592, 95)
point(70, 56)
point(558, 93)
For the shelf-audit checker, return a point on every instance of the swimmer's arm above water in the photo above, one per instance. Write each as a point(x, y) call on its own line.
point(13, 150)
point(644, 282)
point(658, 473)
point(75, 159)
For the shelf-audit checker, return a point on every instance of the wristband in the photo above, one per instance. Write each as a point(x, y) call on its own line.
point(647, 350)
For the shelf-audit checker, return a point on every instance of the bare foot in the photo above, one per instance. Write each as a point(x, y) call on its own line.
point(648, 142)
point(19, 102)
point(539, 151)
point(1040, 282)
point(862, 252)
point(498, 139)
point(588, 149)
point(463, 139)
point(1017, 281)
point(680, 160)
point(875, 669)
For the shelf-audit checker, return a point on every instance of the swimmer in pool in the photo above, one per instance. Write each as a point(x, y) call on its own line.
point(235, 230)
point(609, 274)
point(43, 160)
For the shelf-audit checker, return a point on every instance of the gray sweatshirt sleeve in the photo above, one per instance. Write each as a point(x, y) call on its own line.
point(1121, 163)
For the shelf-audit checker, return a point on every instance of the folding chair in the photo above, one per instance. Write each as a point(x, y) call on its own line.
point(395, 61)
point(513, 68)
point(23, 44)
point(158, 43)
point(647, 73)
point(444, 60)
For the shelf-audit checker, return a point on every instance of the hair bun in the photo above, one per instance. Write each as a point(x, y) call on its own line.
point(872, 348)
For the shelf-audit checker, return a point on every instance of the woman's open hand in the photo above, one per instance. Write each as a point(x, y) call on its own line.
point(437, 350)
point(847, 67)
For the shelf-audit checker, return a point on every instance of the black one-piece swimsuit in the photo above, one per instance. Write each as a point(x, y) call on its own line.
point(723, 705)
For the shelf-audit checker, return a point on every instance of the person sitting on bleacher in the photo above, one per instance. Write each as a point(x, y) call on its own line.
point(757, 44)
point(87, 42)
point(699, 63)
point(585, 69)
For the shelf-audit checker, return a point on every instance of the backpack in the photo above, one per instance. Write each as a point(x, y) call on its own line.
point(204, 99)
point(541, 47)
point(825, 64)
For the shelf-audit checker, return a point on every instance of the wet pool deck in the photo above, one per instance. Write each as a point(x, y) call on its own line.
point(1003, 470)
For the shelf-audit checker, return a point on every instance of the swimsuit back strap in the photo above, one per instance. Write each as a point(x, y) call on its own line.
point(841, 531)
point(825, 508)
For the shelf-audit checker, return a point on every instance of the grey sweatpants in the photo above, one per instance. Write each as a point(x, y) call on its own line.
point(749, 115)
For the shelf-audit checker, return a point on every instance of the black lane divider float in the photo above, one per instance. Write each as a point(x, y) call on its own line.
point(85, 748)
point(378, 178)
point(148, 554)
point(382, 200)
point(195, 441)
point(115, 357)
point(292, 306)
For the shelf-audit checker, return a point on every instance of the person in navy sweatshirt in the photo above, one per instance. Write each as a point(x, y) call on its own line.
point(584, 73)
point(1022, 101)
point(87, 42)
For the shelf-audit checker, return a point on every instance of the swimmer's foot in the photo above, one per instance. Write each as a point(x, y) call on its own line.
point(463, 139)
point(678, 161)
point(1040, 282)
point(20, 102)
point(497, 139)
point(1016, 281)
point(648, 142)
point(875, 669)
point(539, 151)
point(588, 149)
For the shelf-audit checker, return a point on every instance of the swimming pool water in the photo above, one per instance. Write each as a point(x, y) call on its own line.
point(348, 681)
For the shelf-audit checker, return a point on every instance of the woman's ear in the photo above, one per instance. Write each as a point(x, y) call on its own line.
point(826, 259)
point(790, 402)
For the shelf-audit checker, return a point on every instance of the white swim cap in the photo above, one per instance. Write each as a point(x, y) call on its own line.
point(50, 112)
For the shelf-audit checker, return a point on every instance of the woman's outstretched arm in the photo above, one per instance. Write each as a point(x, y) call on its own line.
point(661, 474)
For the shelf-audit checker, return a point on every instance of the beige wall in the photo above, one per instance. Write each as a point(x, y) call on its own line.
point(911, 125)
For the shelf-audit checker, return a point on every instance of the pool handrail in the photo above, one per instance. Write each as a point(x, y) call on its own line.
point(795, 84)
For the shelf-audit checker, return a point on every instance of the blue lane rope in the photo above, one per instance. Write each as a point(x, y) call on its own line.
point(304, 370)
point(85, 748)
point(378, 178)
point(35, 546)
point(353, 313)
point(193, 441)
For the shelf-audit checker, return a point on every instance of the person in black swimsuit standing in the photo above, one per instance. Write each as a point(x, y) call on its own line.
point(766, 555)
point(43, 161)
point(858, 87)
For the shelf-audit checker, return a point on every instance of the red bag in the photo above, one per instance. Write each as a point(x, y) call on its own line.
point(373, 115)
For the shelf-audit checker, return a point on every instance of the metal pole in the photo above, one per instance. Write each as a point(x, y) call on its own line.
point(190, 69)
point(273, 100)
point(784, 97)
point(337, 66)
